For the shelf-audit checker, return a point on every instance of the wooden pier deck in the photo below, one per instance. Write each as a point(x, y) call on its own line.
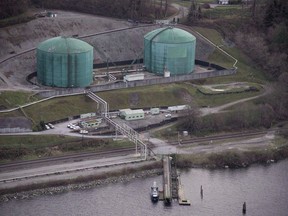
point(181, 195)
point(172, 187)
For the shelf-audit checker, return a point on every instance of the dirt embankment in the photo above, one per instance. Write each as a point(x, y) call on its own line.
point(116, 46)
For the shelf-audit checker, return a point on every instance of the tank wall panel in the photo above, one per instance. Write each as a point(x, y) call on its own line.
point(177, 58)
point(65, 70)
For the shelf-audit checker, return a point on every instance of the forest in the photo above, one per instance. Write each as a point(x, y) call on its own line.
point(132, 9)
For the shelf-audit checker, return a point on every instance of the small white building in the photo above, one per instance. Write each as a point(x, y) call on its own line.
point(154, 111)
point(178, 108)
point(162, 22)
point(87, 115)
point(129, 114)
point(133, 77)
point(223, 2)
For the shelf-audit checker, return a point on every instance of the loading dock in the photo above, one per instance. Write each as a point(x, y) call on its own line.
point(172, 187)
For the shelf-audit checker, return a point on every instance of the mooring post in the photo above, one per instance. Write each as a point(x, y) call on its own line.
point(244, 208)
point(201, 192)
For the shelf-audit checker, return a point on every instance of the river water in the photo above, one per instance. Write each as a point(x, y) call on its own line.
point(263, 188)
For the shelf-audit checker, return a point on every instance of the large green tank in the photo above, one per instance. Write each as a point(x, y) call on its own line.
point(64, 62)
point(170, 48)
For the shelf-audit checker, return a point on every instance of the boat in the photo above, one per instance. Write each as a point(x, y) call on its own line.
point(154, 192)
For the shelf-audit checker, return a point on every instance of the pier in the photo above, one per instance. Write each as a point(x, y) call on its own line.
point(172, 187)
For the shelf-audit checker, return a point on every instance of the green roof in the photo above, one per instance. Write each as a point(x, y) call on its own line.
point(169, 35)
point(64, 45)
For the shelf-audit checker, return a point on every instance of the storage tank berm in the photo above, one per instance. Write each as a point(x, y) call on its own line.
point(64, 62)
point(171, 49)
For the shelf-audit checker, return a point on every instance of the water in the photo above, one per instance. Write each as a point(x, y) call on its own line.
point(263, 188)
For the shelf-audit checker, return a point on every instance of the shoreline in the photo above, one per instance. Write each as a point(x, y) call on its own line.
point(28, 194)
point(210, 161)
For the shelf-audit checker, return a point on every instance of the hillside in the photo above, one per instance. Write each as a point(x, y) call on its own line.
point(121, 45)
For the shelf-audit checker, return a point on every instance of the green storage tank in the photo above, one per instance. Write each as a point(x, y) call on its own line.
point(170, 48)
point(64, 62)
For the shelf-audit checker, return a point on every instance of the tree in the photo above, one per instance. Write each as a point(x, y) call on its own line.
point(9, 8)
point(276, 11)
point(190, 120)
point(195, 12)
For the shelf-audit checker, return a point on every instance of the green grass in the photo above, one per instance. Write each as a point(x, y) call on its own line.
point(12, 99)
point(205, 1)
point(27, 147)
point(33, 141)
point(227, 89)
point(43, 141)
point(149, 96)
point(226, 12)
point(60, 108)
point(187, 3)
point(168, 95)
point(246, 69)
point(182, 3)
point(211, 34)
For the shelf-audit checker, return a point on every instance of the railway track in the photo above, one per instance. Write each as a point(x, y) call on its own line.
point(222, 137)
point(68, 158)
point(124, 151)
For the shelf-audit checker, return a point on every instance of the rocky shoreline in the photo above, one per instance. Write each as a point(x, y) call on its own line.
point(81, 186)
point(213, 161)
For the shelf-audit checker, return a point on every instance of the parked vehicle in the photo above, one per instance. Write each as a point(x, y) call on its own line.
point(83, 132)
point(154, 192)
point(47, 127)
point(168, 115)
point(51, 126)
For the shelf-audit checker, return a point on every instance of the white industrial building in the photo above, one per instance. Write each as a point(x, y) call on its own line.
point(129, 114)
point(154, 111)
point(133, 77)
point(178, 108)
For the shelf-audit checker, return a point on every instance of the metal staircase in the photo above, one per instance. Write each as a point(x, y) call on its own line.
point(130, 133)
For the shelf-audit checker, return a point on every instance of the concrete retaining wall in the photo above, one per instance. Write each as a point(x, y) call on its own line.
point(156, 81)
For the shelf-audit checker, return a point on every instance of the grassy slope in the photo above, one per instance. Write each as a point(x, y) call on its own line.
point(246, 71)
point(59, 108)
point(25, 146)
point(152, 96)
point(11, 99)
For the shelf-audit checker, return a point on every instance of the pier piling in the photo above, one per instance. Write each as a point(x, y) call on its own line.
point(244, 208)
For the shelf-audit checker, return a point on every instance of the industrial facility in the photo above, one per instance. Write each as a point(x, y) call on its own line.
point(64, 62)
point(169, 48)
point(129, 114)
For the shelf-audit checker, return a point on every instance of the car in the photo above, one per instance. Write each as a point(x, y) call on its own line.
point(75, 127)
point(83, 132)
point(51, 126)
point(47, 127)
point(168, 115)
point(71, 126)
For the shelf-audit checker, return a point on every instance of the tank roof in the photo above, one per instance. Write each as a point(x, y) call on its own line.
point(169, 35)
point(64, 45)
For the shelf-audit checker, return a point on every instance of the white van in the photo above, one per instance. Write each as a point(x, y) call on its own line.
point(168, 115)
